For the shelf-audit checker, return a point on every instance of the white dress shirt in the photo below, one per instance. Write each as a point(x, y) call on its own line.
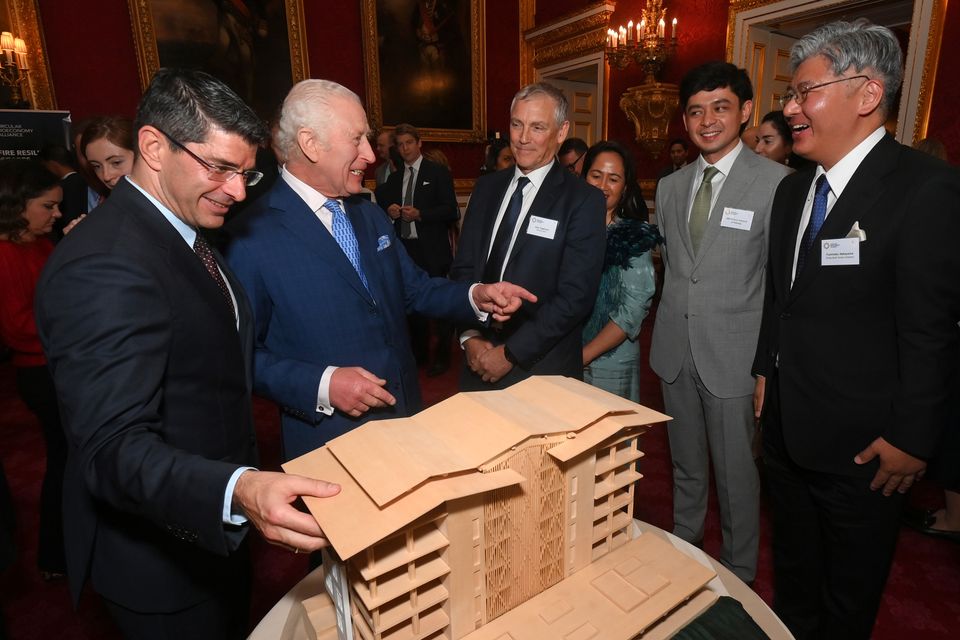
point(723, 166)
point(403, 193)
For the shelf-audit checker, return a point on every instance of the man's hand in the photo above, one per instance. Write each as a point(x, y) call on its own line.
point(494, 364)
point(266, 499)
point(898, 469)
point(409, 213)
point(501, 299)
point(393, 211)
point(354, 390)
point(70, 225)
point(473, 348)
point(759, 390)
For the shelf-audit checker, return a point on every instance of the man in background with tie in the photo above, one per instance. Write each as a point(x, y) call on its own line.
point(858, 348)
point(714, 215)
point(149, 339)
point(539, 226)
point(421, 201)
point(331, 284)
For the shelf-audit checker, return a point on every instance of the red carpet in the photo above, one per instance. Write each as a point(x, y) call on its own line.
point(921, 599)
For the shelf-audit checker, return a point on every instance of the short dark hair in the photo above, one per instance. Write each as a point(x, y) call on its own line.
point(572, 144)
point(493, 152)
point(779, 122)
point(406, 129)
point(57, 153)
point(630, 201)
point(680, 141)
point(186, 103)
point(715, 75)
point(20, 181)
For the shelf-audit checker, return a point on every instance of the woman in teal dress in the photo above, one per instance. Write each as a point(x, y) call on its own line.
point(611, 350)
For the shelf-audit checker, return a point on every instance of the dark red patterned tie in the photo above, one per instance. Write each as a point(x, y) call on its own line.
point(202, 249)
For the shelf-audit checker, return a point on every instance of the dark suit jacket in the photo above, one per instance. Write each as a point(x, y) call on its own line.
point(153, 380)
point(312, 310)
point(868, 350)
point(436, 199)
point(563, 271)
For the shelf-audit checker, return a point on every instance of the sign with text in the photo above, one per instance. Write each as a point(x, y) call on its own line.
point(23, 133)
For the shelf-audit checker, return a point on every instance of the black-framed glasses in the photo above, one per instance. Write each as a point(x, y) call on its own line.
point(801, 93)
point(572, 167)
point(216, 172)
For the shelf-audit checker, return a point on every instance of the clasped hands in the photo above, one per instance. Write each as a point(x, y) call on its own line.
point(407, 213)
point(485, 360)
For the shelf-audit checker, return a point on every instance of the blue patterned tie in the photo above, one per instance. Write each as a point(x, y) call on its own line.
point(817, 216)
point(343, 234)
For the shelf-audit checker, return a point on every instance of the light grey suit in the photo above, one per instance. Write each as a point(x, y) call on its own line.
point(704, 340)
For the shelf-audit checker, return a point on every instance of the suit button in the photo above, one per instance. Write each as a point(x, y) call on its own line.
point(784, 315)
point(694, 280)
point(685, 316)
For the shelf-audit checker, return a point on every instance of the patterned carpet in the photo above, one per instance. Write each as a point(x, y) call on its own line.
point(920, 601)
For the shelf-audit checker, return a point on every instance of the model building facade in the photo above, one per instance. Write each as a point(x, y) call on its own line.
point(452, 518)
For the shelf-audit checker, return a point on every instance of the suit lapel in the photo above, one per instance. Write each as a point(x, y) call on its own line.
point(497, 192)
point(304, 225)
point(859, 197)
point(681, 195)
point(733, 187)
point(542, 205)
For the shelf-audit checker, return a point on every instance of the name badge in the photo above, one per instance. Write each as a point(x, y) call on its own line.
point(737, 219)
point(839, 252)
point(543, 227)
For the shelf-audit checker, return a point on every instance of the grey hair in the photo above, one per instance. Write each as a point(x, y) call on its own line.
point(309, 105)
point(859, 44)
point(544, 89)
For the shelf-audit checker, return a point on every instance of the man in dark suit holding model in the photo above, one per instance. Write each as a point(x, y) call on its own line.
point(858, 342)
point(149, 340)
point(542, 227)
point(422, 203)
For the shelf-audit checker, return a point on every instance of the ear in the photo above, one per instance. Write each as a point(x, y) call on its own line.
point(564, 130)
point(872, 97)
point(745, 111)
point(152, 145)
point(309, 145)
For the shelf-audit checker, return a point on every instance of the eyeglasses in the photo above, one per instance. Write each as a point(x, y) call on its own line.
point(801, 93)
point(216, 172)
point(572, 167)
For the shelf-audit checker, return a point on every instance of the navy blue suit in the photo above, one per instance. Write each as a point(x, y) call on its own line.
point(311, 310)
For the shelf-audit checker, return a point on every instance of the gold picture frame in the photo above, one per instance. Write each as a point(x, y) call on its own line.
point(431, 94)
point(144, 19)
point(24, 16)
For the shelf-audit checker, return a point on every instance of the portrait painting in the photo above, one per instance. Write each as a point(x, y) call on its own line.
point(424, 66)
point(255, 46)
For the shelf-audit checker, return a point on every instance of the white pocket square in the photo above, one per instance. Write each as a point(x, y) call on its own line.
point(857, 232)
point(382, 243)
point(424, 183)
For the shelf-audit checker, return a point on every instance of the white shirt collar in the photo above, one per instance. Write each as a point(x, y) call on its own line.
point(841, 173)
point(416, 164)
point(188, 233)
point(724, 164)
point(308, 194)
point(537, 176)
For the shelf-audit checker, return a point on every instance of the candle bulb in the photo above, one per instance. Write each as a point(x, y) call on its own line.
point(661, 28)
point(643, 28)
point(630, 31)
point(639, 34)
point(673, 33)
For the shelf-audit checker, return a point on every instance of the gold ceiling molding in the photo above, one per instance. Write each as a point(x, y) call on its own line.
point(25, 19)
point(572, 37)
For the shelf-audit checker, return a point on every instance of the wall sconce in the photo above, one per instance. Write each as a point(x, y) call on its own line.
point(13, 69)
point(646, 43)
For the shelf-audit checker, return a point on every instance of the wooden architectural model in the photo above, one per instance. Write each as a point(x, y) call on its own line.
point(503, 514)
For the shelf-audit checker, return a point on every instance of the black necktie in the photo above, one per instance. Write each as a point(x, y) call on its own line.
point(202, 249)
point(498, 250)
point(407, 201)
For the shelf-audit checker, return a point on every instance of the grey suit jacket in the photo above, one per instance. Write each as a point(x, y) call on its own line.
point(713, 301)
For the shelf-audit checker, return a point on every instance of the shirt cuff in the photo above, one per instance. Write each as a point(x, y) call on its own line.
point(323, 392)
point(481, 315)
point(229, 517)
point(466, 335)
